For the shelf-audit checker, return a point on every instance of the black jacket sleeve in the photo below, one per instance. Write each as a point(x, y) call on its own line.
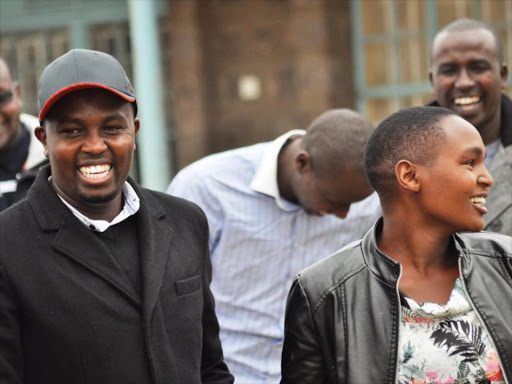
point(11, 356)
point(302, 361)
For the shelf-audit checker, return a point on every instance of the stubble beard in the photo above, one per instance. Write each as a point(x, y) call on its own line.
point(96, 199)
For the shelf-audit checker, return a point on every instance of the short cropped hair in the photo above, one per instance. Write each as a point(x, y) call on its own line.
point(461, 25)
point(412, 134)
point(335, 141)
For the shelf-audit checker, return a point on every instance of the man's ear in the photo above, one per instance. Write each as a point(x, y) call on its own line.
point(41, 136)
point(407, 175)
point(17, 92)
point(431, 78)
point(303, 162)
point(136, 124)
point(504, 75)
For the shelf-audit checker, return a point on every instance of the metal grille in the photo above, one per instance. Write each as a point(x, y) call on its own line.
point(28, 54)
point(391, 40)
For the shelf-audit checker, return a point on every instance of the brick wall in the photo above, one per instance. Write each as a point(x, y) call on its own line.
point(298, 51)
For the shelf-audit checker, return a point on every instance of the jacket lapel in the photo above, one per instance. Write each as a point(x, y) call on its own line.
point(154, 242)
point(73, 239)
point(76, 241)
point(500, 197)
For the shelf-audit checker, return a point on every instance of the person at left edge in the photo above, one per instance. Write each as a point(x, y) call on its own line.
point(20, 150)
point(102, 281)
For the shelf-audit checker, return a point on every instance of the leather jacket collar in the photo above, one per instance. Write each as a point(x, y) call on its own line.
point(387, 269)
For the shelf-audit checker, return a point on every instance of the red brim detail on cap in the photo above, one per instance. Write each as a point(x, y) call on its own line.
point(75, 87)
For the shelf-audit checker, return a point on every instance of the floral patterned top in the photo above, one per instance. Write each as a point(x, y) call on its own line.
point(445, 344)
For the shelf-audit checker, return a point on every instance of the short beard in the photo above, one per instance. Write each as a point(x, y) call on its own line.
point(100, 199)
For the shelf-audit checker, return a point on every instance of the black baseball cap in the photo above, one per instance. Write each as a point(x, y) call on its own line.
point(81, 69)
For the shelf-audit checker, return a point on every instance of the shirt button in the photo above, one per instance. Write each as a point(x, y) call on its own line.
point(496, 225)
point(18, 176)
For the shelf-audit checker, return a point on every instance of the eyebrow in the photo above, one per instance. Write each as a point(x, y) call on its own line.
point(70, 120)
point(476, 151)
point(80, 121)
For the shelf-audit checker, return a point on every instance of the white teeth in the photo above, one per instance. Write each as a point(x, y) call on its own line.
point(477, 200)
point(95, 171)
point(466, 100)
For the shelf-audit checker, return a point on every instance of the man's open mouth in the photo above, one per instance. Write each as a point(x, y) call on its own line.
point(95, 171)
point(466, 100)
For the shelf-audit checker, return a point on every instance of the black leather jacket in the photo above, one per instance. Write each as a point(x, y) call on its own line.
point(343, 313)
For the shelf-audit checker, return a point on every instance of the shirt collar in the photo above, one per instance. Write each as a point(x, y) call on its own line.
point(131, 206)
point(491, 150)
point(265, 179)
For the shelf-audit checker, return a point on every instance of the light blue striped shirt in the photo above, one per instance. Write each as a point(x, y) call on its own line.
point(258, 242)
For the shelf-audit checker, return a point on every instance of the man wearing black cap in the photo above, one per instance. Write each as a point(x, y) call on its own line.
point(102, 281)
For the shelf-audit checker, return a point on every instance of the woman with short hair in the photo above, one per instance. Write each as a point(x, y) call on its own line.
point(416, 300)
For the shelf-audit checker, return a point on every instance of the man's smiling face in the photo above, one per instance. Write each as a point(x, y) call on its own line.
point(89, 137)
point(10, 108)
point(467, 76)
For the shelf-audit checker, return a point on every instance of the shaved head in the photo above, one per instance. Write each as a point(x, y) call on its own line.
point(4, 68)
point(336, 140)
point(467, 25)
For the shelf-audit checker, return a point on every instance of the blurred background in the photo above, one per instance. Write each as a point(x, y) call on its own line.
point(237, 72)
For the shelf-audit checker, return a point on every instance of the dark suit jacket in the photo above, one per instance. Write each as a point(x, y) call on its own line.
point(68, 313)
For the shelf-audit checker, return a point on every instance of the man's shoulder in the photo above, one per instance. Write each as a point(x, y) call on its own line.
point(176, 208)
point(14, 213)
point(225, 161)
point(218, 173)
point(506, 121)
point(491, 244)
point(167, 201)
point(16, 222)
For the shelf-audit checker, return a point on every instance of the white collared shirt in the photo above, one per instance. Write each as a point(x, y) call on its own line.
point(265, 179)
point(130, 207)
point(258, 242)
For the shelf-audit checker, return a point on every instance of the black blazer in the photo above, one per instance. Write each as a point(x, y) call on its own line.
point(69, 315)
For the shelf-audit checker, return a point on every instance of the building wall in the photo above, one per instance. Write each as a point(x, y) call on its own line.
point(392, 41)
point(306, 55)
point(297, 51)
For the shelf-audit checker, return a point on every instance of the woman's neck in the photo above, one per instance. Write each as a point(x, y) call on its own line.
point(428, 259)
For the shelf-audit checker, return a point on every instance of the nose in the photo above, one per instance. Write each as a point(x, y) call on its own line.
point(94, 144)
point(485, 178)
point(342, 212)
point(464, 80)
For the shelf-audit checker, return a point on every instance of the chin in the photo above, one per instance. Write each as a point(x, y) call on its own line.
point(99, 198)
point(473, 227)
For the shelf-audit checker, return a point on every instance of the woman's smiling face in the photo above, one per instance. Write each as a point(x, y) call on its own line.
point(455, 185)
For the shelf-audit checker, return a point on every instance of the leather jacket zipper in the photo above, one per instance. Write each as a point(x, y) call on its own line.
point(480, 318)
point(398, 328)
